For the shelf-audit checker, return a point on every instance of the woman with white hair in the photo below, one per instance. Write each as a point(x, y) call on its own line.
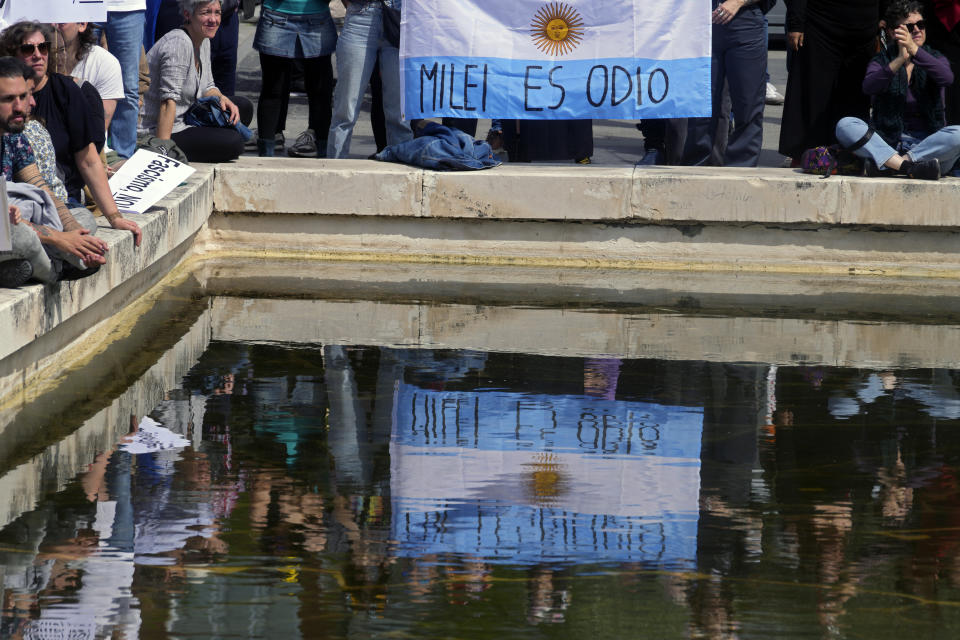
point(180, 74)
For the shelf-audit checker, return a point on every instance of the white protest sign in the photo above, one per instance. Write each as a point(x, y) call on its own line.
point(56, 10)
point(6, 243)
point(145, 178)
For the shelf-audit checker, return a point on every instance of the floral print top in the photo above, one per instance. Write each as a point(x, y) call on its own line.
point(46, 157)
point(15, 154)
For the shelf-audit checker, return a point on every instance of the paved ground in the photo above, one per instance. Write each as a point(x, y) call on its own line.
point(615, 141)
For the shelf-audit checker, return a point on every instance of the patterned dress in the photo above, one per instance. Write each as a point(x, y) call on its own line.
point(15, 154)
point(46, 157)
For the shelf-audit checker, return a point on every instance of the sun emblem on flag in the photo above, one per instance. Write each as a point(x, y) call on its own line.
point(557, 28)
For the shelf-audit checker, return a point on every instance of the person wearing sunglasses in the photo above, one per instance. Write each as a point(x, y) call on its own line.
point(75, 129)
point(905, 82)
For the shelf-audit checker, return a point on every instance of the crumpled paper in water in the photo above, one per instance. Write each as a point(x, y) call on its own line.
point(151, 437)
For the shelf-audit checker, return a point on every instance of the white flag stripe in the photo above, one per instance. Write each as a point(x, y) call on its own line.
point(612, 29)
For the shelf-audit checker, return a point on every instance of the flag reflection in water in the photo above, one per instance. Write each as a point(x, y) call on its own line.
point(521, 478)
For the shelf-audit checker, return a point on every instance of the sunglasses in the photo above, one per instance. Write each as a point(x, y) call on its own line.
point(27, 49)
point(919, 25)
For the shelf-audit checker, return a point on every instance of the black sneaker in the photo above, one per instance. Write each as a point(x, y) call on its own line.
point(305, 146)
point(928, 169)
point(15, 273)
point(70, 272)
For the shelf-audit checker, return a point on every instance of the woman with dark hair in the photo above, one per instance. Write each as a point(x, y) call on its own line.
point(832, 41)
point(906, 82)
point(75, 132)
point(81, 58)
point(181, 74)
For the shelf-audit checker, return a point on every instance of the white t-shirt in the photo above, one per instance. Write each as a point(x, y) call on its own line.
point(126, 5)
point(101, 69)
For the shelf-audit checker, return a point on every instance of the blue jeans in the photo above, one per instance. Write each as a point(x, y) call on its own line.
point(943, 144)
point(125, 37)
point(360, 42)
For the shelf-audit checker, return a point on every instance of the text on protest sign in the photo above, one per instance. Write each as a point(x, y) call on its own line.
point(145, 179)
point(56, 10)
point(546, 59)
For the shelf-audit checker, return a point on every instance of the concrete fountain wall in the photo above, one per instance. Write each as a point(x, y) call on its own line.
point(734, 221)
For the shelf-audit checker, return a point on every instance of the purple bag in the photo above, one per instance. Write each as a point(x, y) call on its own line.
point(826, 161)
point(821, 161)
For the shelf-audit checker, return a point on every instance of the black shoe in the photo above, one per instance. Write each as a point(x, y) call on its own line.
point(305, 146)
point(15, 273)
point(871, 170)
point(928, 169)
point(70, 272)
point(279, 141)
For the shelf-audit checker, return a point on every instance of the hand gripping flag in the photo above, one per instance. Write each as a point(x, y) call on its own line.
point(551, 59)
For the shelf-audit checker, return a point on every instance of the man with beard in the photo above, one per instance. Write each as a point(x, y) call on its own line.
point(48, 244)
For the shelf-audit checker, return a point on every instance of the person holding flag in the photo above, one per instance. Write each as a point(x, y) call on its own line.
point(362, 39)
point(740, 63)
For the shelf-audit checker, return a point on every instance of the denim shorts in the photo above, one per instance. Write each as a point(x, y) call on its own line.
point(286, 35)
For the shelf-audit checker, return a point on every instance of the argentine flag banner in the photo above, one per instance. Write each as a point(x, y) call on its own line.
point(550, 59)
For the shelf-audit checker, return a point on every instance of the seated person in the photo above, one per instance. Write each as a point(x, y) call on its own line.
point(83, 59)
point(75, 132)
point(906, 83)
point(180, 74)
point(50, 244)
point(40, 142)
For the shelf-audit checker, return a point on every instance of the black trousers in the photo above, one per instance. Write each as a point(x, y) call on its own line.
point(215, 144)
point(275, 87)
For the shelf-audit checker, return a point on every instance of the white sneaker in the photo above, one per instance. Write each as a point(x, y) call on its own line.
point(773, 96)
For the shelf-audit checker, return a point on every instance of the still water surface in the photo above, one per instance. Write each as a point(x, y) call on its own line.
point(331, 491)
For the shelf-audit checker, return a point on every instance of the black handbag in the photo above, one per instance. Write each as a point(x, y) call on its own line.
point(391, 24)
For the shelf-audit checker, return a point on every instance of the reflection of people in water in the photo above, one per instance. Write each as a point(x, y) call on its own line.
point(832, 524)
point(600, 377)
point(546, 602)
point(853, 445)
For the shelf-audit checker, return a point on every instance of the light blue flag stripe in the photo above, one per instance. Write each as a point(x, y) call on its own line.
point(618, 88)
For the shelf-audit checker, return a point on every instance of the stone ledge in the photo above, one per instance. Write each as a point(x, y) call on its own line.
point(688, 195)
point(37, 310)
point(692, 219)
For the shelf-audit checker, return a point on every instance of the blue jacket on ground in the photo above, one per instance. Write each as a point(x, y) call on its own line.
point(206, 112)
point(443, 148)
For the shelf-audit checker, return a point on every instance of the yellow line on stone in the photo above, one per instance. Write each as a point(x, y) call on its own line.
point(120, 325)
point(791, 268)
point(96, 340)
